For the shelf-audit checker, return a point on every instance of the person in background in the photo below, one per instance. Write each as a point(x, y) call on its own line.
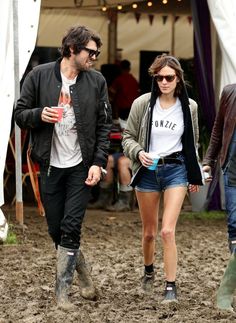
point(118, 165)
point(161, 140)
point(123, 90)
point(222, 146)
point(71, 153)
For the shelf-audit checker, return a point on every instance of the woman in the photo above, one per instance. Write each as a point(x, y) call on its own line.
point(162, 127)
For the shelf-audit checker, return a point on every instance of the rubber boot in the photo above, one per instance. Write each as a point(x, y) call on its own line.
point(225, 293)
point(105, 198)
point(124, 203)
point(87, 289)
point(66, 262)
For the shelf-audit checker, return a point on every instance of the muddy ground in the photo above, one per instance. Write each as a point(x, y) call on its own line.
point(111, 243)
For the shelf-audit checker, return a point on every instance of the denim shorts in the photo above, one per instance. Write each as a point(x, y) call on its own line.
point(164, 177)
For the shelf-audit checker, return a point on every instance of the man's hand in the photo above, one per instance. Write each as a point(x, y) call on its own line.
point(94, 175)
point(207, 173)
point(49, 115)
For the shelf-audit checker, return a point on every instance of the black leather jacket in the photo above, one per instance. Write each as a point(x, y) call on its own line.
point(92, 110)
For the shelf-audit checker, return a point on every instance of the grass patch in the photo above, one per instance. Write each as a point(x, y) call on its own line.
point(205, 215)
point(11, 236)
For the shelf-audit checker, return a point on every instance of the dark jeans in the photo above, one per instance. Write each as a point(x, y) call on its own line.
point(230, 204)
point(65, 197)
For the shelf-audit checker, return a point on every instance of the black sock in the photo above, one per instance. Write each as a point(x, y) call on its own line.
point(149, 269)
point(170, 283)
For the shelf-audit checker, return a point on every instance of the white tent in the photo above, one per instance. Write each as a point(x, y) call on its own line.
point(18, 36)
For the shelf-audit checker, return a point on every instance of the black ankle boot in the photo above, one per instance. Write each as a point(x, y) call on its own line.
point(147, 282)
point(170, 294)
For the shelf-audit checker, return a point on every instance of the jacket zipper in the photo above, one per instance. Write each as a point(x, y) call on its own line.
point(148, 128)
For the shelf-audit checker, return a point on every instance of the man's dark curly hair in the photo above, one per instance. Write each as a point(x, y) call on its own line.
point(76, 38)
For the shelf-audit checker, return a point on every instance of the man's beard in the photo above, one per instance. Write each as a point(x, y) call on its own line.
point(83, 67)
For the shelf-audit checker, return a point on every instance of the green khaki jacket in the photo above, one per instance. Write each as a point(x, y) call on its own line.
point(135, 136)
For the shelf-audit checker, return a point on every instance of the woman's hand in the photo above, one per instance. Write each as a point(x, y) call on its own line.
point(145, 158)
point(193, 188)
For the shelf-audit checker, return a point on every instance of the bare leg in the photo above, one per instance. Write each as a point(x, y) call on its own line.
point(173, 200)
point(148, 206)
point(123, 166)
point(108, 180)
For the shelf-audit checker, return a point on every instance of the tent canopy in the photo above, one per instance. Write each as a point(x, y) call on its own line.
point(162, 27)
point(177, 6)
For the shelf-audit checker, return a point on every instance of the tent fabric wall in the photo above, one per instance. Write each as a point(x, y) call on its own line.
point(223, 14)
point(27, 35)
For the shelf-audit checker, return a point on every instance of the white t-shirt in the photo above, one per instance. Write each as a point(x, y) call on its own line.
point(167, 129)
point(65, 151)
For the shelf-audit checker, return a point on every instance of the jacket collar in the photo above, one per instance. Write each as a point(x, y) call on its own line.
point(57, 70)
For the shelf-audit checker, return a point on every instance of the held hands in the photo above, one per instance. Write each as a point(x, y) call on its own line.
point(145, 158)
point(193, 188)
point(207, 173)
point(94, 175)
point(207, 178)
point(49, 115)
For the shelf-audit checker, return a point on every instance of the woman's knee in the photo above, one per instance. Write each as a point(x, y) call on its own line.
point(149, 237)
point(168, 235)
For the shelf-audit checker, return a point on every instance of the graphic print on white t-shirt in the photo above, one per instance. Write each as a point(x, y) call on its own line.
point(167, 129)
point(65, 151)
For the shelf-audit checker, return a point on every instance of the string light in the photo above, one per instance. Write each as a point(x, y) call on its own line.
point(119, 6)
point(149, 3)
point(134, 5)
point(104, 7)
point(164, 1)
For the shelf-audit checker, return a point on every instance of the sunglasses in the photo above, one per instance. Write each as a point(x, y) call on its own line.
point(168, 78)
point(91, 52)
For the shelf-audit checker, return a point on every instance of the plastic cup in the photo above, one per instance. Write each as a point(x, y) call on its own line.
point(60, 113)
point(154, 164)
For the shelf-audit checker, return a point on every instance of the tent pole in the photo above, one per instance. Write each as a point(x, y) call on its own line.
point(18, 161)
point(172, 47)
point(112, 36)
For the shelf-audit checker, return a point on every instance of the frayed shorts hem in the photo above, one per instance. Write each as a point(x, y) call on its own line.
point(146, 190)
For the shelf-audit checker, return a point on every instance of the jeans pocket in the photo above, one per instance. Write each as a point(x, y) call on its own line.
point(232, 173)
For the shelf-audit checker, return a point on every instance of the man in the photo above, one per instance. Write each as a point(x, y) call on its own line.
point(72, 152)
point(123, 90)
point(223, 144)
